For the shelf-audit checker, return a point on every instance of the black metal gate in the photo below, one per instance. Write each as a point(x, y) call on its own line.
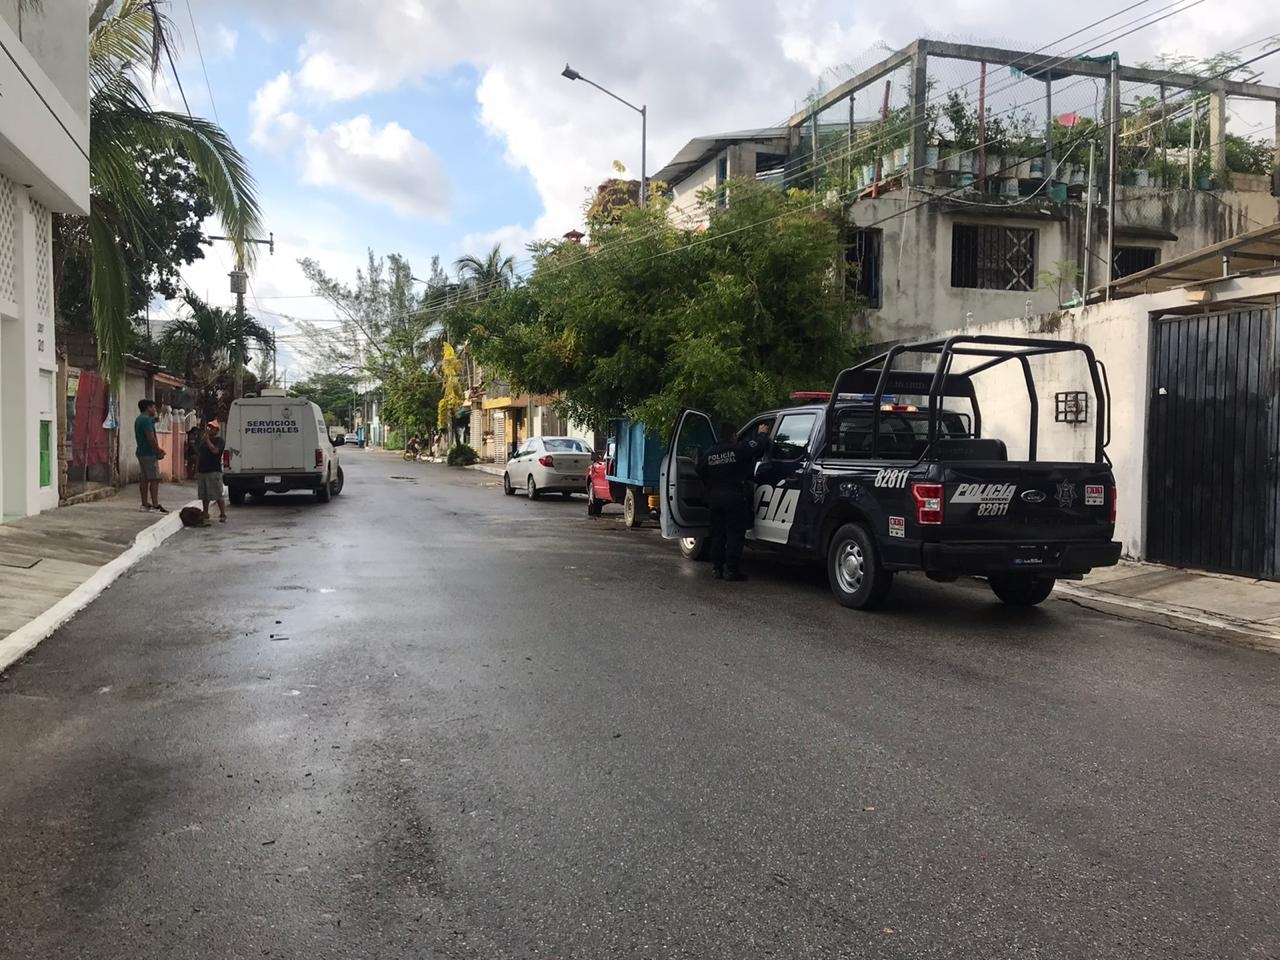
point(1213, 482)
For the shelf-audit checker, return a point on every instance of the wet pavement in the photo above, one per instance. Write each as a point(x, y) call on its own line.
point(428, 720)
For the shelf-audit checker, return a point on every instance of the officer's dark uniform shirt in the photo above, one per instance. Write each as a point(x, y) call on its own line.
point(727, 466)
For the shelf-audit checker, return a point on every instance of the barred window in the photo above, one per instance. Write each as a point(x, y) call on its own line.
point(993, 258)
point(863, 259)
point(1132, 259)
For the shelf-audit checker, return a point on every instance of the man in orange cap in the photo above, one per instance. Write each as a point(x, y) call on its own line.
point(209, 470)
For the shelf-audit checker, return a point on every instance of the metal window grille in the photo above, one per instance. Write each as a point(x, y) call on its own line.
point(862, 257)
point(1132, 259)
point(993, 258)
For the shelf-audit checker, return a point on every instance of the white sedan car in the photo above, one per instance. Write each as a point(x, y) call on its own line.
point(548, 465)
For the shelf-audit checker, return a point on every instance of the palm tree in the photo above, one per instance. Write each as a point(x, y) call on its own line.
point(121, 122)
point(210, 342)
point(482, 276)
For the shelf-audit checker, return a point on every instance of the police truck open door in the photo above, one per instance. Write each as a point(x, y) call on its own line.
point(685, 513)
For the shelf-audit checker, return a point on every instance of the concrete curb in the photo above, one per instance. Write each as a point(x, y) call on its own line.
point(27, 637)
point(490, 468)
point(1258, 636)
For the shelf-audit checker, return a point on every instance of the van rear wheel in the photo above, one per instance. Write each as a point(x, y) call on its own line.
point(324, 492)
point(1021, 589)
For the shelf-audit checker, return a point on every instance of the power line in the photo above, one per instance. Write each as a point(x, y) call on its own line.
point(196, 33)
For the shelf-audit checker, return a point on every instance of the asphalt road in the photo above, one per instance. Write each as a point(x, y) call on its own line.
point(426, 720)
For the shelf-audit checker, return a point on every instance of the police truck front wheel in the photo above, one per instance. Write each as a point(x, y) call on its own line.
point(1021, 589)
point(853, 568)
point(695, 548)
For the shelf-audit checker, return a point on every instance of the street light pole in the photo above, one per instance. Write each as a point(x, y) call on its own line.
point(571, 74)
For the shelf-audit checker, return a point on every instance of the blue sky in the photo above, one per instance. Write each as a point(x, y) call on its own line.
point(442, 126)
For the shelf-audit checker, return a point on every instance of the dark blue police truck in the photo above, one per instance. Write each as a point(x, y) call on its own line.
point(872, 485)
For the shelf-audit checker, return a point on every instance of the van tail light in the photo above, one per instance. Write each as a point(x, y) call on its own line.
point(319, 457)
point(547, 461)
point(226, 459)
point(1115, 495)
point(928, 503)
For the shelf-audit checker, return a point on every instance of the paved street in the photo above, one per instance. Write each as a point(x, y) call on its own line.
point(427, 720)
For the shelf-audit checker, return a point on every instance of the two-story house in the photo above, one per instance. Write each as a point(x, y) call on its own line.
point(977, 183)
point(44, 168)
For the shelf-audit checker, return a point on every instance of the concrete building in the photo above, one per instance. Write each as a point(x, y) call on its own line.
point(1192, 350)
point(956, 209)
point(44, 169)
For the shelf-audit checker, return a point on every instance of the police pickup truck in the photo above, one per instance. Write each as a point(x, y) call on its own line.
point(874, 486)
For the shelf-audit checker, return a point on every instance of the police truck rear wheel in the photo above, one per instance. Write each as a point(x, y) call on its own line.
point(853, 568)
point(324, 491)
point(236, 495)
point(631, 509)
point(1021, 590)
point(695, 548)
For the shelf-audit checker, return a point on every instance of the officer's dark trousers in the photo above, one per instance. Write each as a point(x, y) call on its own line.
point(730, 517)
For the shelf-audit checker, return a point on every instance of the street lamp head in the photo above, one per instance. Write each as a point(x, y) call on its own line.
point(569, 73)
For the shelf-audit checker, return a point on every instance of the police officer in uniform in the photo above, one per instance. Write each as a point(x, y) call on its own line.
point(726, 470)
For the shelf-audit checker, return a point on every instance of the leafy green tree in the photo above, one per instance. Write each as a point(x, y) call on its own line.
point(123, 127)
point(481, 276)
point(334, 393)
point(170, 238)
point(385, 334)
point(207, 343)
point(650, 318)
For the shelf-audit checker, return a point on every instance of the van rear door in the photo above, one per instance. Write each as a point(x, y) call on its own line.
point(272, 437)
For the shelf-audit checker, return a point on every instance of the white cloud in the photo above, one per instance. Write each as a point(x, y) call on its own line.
point(702, 66)
point(225, 40)
point(272, 127)
point(386, 165)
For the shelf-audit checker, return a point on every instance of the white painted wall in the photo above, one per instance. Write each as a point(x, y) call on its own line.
point(44, 167)
point(44, 127)
point(1120, 334)
point(28, 365)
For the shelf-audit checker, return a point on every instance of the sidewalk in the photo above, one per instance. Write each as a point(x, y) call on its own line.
point(56, 562)
point(1236, 608)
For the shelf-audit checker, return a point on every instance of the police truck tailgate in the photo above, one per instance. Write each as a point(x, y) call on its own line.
point(1020, 500)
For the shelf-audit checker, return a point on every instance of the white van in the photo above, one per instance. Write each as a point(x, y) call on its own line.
point(276, 443)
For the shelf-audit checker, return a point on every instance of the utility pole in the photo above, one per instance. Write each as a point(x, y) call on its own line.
point(239, 286)
point(1113, 166)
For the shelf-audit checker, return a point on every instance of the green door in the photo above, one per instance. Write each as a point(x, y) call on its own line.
point(46, 453)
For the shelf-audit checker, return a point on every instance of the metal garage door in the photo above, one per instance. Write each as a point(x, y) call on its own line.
point(1213, 493)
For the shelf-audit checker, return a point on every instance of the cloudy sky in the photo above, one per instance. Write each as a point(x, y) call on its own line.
point(441, 126)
